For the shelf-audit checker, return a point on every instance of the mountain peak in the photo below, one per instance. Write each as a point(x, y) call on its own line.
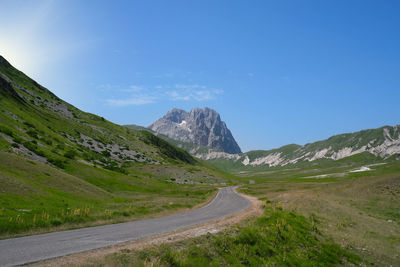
point(207, 112)
point(175, 115)
point(4, 62)
point(200, 126)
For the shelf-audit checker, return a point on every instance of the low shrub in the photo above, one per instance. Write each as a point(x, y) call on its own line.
point(6, 130)
point(70, 154)
point(57, 162)
point(32, 134)
point(15, 145)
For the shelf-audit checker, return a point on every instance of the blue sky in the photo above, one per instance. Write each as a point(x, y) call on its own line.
point(278, 72)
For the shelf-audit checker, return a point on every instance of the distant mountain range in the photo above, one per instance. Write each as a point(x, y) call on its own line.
point(190, 132)
point(370, 145)
point(201, 127)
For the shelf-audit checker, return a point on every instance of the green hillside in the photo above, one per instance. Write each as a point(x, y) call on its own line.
point(193, 149)
point(62, 167)
point(363, 147)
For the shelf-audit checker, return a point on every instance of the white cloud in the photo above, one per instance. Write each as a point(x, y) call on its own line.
point(164, 75)
point(203, 95)
point(179, 92)
point(105, 87)
point(136, 88)
point(136, 100)
point(133, 89)
point(190, 86)
point(194, 95)
point(176, 96)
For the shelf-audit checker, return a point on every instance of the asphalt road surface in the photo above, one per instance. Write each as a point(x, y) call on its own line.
point(29, 249)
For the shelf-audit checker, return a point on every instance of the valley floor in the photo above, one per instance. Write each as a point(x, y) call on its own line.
point(360, 211)
point(346, 218)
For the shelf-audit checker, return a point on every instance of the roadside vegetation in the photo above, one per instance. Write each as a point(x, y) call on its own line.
point(36, 197)
point(359, 210)
point(278, 238)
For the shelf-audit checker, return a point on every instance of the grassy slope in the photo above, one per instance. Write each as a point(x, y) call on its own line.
point(237, 168)
point(373, 137)
point(360, 211)
point(114, 174)
point(36, 197)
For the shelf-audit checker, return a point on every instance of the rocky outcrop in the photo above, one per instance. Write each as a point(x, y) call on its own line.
point(199, 126)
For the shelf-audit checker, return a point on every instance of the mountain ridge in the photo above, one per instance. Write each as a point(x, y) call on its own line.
point(202, 127)
point(381, 143)
point(369, 144)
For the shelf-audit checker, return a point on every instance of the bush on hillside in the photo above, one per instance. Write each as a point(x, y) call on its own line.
point(70, 154)
point(6, 130)
point(57, 162)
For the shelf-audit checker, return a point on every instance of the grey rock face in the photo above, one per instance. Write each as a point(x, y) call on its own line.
point(199, 126)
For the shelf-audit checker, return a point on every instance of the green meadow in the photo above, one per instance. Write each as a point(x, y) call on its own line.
point(360, 211)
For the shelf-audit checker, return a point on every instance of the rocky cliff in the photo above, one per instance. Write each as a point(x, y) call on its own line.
point(199, 126)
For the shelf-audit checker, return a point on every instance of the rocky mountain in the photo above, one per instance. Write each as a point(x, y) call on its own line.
point(202, 127)
point(372, 144)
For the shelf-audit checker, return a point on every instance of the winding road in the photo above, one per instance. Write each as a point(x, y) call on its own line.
point(29, 249)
